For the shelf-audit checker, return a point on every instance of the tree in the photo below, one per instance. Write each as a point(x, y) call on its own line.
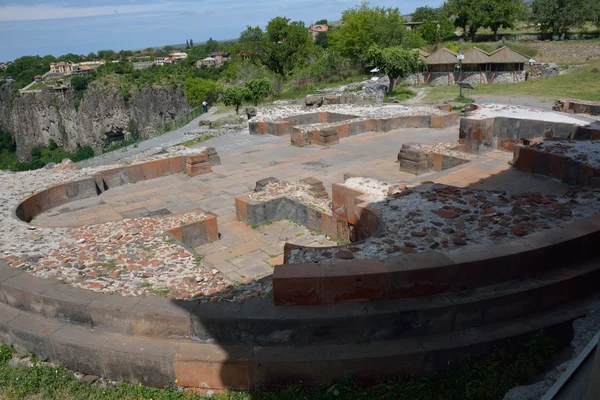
point(257, 89)
point(79, 83)
point(191, 43)
point(363, 26)
point(558, 16)
point(187, 44)
point(107, 55)
point(321, 22)
point(283, 46)
point(234, 96)
point(468, 15)
point(198, 90)
point(396, 62)
point(426, 13)
point(501, 14)
point(441, 27)
point(211, 46)
point(91, 56)
point(321, 40)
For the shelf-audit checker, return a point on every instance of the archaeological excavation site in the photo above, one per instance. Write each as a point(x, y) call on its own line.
point(326, 239)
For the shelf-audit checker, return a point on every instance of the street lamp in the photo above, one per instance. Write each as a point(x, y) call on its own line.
point(460, 56)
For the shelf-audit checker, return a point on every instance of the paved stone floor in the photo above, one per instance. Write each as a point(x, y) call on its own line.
point(244, 252)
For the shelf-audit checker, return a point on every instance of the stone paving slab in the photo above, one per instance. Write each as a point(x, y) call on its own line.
point(243, 252)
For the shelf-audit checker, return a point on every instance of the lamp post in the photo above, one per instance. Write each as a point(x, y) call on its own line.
point(460, 56)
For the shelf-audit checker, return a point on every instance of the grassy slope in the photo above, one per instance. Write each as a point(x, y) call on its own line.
point(489, 378)
point(577, 83)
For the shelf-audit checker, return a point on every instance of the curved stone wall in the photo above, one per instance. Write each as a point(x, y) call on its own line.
point(98, 183)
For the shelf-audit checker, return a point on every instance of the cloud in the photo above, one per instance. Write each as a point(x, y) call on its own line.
point(47, 11)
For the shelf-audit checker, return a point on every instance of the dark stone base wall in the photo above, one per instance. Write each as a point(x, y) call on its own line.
point(482, 135)
point(555, 166)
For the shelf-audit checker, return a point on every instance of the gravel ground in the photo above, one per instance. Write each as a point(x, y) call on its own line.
point(441, 218)
point(292, 190)
point(132, 256)
point(584, 151)
point(362, 111)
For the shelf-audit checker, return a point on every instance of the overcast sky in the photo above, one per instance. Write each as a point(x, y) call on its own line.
point(56, 27)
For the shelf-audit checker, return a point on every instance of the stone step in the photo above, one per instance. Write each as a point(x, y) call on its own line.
point(258, 321)
point(160, 362)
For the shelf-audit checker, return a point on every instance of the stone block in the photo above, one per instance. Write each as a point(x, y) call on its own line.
point(523, 158)
point(414, 167)
point(541, 163)
point(556, 169)
point(213, 366)
point(342, 131)
point(197, 158)
point(572, 172)
point(296, 284)
point(261, 184)
point(241, 209)
point(135, 173)
point(52, 197)
point(299, 138)
point(351, 281)
point(437, 121)
point(343, 201)
point(81, 189)
point(139, 361)
point(112, 178)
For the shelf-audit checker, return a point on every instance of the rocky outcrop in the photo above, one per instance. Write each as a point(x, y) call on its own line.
point(104, 111)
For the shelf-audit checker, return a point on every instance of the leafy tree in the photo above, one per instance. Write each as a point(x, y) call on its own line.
point(501, 14)
point(396, 62)
point(234, 96)
point(107, 55)
point(426, 13)
point(321, 39)
point(92, 56)
point(468, 15)
point(211, 46)
point(441, 27)
point(24, 69)
point(198, 90)
point(558, 16)
point(281, 47)
point(363, 26)
point(79, 83)
point(257, 89)
point(321, 22)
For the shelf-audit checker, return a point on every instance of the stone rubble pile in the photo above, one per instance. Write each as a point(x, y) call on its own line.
point(439, 217)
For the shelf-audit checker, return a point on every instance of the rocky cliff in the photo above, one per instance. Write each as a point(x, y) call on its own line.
point(104, 111)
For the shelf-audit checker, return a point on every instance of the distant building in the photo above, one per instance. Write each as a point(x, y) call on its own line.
point(207, 62)
point(38, 78)
point(62, 67)
point(412, 25)
point(216, 59)
point(94, 63)
point(142, 64)
point(83, 70)
point(9, 79)
point(163, 60)
point(314, 30)
point(221, 57)
point(178, 55)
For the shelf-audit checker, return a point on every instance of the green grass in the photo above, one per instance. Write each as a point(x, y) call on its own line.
point(579, 83)
point(400, 93)
point(120, 144)
point(294, 91)
point(160, 292)
point(201, 139)
point(488, 378)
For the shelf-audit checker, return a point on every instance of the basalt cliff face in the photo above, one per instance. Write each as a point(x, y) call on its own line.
point(104, 112)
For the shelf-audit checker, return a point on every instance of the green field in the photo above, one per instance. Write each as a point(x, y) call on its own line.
point(577, 82)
